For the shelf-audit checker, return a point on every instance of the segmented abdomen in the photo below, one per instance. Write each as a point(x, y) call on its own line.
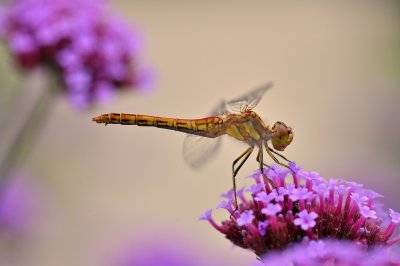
point(208, 127)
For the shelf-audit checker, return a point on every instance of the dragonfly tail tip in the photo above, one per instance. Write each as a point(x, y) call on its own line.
point(100, 119)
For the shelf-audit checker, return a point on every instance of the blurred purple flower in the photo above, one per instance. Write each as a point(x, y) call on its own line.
point(333, 253)
point(161, 248)
point(93, 53)
point(311, 207)
point(17, 205)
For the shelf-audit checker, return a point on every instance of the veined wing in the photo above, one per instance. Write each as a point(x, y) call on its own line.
point(197, 150)
point(249, 100)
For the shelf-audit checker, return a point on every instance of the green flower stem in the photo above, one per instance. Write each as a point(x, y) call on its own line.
point(27, 132)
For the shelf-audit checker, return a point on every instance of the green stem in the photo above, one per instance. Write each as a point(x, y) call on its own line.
point(27, 132)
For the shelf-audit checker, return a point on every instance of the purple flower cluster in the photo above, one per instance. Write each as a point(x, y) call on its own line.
point(283, 210)
point(333, 253)
point(92, 53)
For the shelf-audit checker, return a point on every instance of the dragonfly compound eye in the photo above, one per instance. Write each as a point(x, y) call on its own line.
point(282, 136)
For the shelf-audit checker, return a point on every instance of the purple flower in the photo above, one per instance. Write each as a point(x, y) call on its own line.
point(206, 215)
point(271, 209)
point(366, 212)
point(254, 189)
point(93, 53)
point(262, 226)
point(245, 218)
point(282, 192)
point(306, 220)
point(299, 194)
point(277, 217)
point(264, 197)
point(317, 249)
point(225, 204)
point(227, 195)
point(341, 189)
point(359, 200)
point(159, 246)
point(395, 216)
point(321, 188)
point(333, 253)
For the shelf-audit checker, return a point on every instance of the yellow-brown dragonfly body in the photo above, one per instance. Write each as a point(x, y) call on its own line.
point(243, 124)
point(246, 126)
point(205, 127)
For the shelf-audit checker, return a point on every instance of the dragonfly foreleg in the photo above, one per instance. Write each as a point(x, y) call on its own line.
point(280, 155)
point(268, 149)
point(245, 155)
point(260, 160)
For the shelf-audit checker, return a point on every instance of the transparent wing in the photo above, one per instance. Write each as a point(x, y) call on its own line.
point(197, 150)
point(249, 100)
point(220, 110)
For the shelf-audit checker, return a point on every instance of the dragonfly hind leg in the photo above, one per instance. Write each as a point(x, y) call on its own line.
point(245, 155)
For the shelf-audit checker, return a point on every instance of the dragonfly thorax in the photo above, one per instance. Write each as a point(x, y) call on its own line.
point(248, 127)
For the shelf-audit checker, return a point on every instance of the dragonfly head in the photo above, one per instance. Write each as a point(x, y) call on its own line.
point(282, 136)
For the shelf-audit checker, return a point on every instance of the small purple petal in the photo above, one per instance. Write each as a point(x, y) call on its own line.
point(245, 218)
point(227, 195)
point(254, 189)
point(262, 226)
point(299, 194)
point(366, 212)
point(206, 215)
point(225, 204)
point(359, 200)
point(395, 216)
point(272, 209)
point(341, 189)
point(306, 220)
point(264, 197)
point(321, 188)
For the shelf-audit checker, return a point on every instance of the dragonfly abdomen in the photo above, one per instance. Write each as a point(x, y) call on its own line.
point(208, 127)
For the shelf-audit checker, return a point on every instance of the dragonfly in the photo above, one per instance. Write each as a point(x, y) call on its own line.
point(235, 118)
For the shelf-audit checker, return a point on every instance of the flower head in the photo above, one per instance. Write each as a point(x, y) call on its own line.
point(92, 53)
point(286, 213)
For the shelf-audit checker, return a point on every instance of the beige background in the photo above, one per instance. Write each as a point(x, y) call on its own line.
point(335, 67)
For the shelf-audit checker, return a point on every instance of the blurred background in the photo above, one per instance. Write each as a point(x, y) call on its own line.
point(336, 72)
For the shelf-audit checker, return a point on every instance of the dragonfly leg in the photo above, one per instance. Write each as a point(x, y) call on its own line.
point(280, 155)
point(260, 160)
point(268, 149)
point(260, 155)
point(245, 155)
